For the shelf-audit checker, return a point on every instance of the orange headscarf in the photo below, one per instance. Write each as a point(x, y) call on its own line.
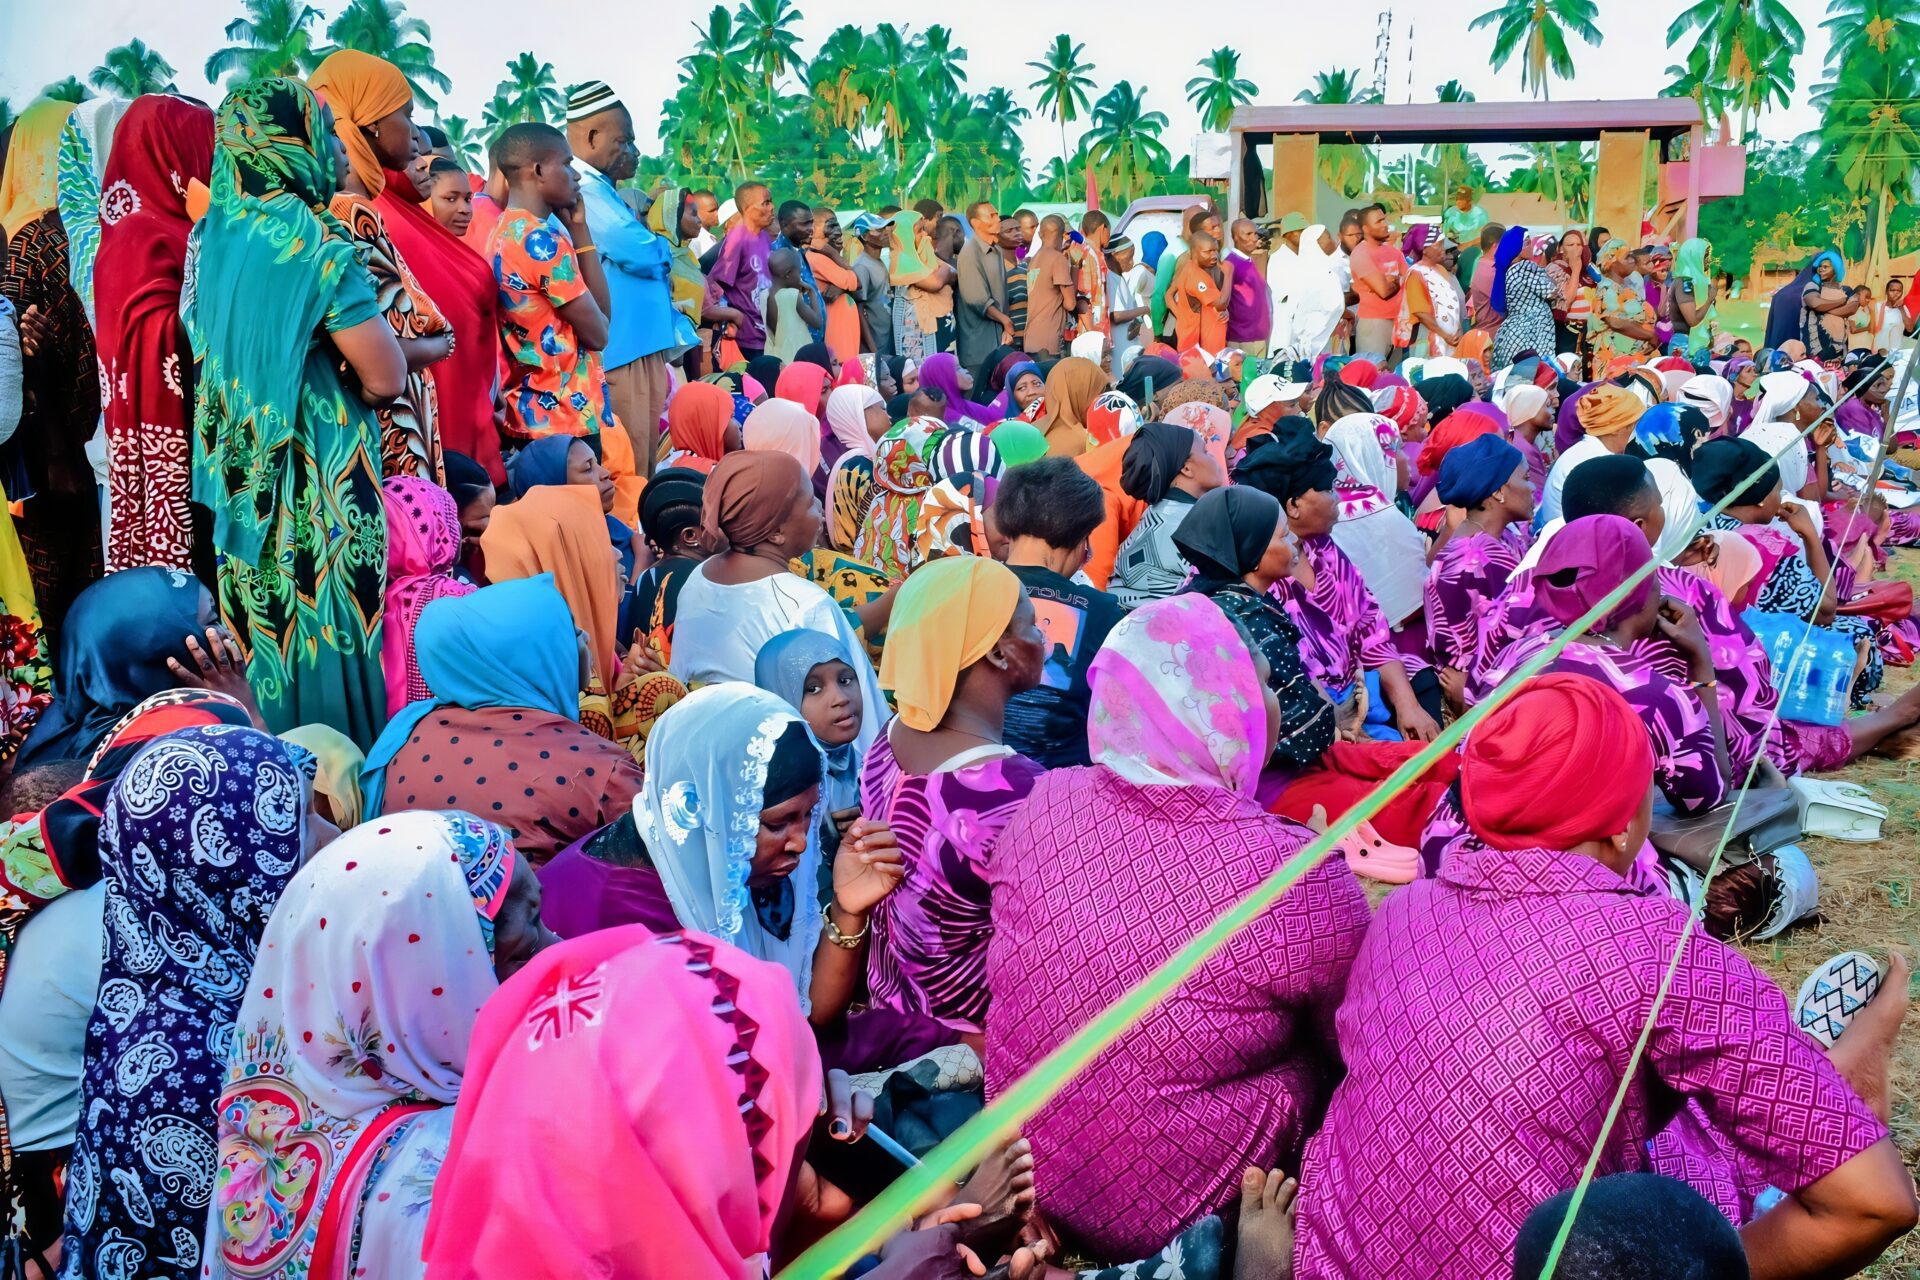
point(29, 185)
point(1072, 387)
point(805, 385)
point(560, 529)
point(697, 418)
point(361, 89)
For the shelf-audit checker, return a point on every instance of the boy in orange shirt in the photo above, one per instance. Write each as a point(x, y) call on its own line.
point(1199, 296)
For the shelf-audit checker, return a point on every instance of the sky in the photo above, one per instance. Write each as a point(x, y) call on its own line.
point(635, 47)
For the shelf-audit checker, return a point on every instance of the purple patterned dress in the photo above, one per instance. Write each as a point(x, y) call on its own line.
point(1342, 629)
point(928, 954)
point(1466, 577)
point(1487, 1020)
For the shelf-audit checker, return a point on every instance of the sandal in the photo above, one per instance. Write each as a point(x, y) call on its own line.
point(1834, 993)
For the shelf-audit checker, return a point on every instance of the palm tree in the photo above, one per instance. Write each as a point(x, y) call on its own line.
point(1063, 85)
point(381, 28)
point(767, 39)
point(1124, 142)
point(7, 115)
point(1448, 158)
point(1349, 169)
point(272, 40)
point(715, 70)
point(532, 91)
point(465, 141)
point(1003, 118)
point(1749, 50)
point(1215, 94)
point(68, 90)
point(499, 113)
point(1544, 163)
point(896, 100)
point(1855, 25)
point(1542, 27)
point(1870, 131)
point(131, 70)
point(940, 61)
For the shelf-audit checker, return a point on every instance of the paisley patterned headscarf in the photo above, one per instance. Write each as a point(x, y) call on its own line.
point(200, 836)
point(902, 474)
point(351, 1043)
point(270, 140)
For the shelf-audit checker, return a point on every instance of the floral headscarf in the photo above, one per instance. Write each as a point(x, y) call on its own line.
point(423, 545)
point(271, 140)
point(371, 974)
point(902, 474)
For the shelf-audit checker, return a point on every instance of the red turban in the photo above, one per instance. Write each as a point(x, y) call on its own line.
point(1463, 424)
point(1402, 405)
point(1360, 373)
point(1564, 760)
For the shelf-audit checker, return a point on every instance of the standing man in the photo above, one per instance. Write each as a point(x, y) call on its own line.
point(1088, 261)
point(796, 233)
point(641, 334)
point(1050, 290)
point(982, 321)
point(1463, 221)
point(1480, 281)
point(1886, 322)
point(837, 285)
point(1250, 306)
point(1377, 271)
point(709, 207)
point(1013, 258)
point(739, 278)
point(872, 290)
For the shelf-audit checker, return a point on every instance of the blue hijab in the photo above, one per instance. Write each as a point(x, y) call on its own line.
point(1783, 313)
point(1152, 245)
point(1511, 243)
point(508, 645)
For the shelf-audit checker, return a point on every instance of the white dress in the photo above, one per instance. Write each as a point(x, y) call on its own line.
point(718, 631)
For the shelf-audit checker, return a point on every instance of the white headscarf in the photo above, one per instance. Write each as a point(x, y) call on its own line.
point(1383, 544)
point(1521, 402)
point(1712, 395)
point(699, 814)
point(1779, 393)
point(1679, 503)
point(1441, 366)
point(1089, 346)
point(1783, 443)
point(847, 417)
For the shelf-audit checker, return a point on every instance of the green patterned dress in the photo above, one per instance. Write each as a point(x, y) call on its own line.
point(286, 455)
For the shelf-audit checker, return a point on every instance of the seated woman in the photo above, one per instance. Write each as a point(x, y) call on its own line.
point(568, 460)
point(1346, 636)
point(186, 902)
point(1486, 478)
point(702, 426)
point(814, 675)
point(1231, 1069)
point(423, 548)
point(1549, 879)
point(670, 523)
point(691, 1064)
point(1372, 531)
point(439, 910)
point(1239, 545)
point(474, 494)
point(759, 507)
point(1166, 469)
point(1797, 574)
point(499, 733)
point(681, 861)
point(963, 642)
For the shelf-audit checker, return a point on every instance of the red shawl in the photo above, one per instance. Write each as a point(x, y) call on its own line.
point(461, 284)
point(163, 143)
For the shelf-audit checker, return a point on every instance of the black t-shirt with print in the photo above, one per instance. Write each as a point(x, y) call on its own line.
point(1048, 724)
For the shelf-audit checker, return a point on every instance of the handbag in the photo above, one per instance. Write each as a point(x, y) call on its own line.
point(1885, 599)
point(1767, 818)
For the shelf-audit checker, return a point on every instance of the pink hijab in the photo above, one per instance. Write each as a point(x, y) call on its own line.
point(1177, 700)
point(690, 1078)
point(423, 545)
point(781, 426)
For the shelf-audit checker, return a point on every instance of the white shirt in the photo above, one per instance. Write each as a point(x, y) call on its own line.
point(702, 241)
point(719, 630)
point(53, 981)
point(1582, 449)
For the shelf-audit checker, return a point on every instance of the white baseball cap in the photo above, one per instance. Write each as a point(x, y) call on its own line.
point(1267, 390)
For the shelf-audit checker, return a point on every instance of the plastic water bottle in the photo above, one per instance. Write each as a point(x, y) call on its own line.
point(1812, 666)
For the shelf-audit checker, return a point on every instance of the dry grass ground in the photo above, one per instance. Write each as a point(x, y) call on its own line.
point(1870, 901)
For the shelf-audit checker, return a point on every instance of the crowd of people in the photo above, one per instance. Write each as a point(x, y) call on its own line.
point(558, 729)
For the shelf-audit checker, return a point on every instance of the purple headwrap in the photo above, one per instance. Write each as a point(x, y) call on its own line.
point(1584, 561)
point(1742, 411)
point(1414, 243)
point(943, 371)
point(1566, 427)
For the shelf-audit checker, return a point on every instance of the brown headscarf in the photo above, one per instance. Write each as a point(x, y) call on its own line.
point(361, 89)
point(1072, 387)
point(560, 529)
point(749, 495)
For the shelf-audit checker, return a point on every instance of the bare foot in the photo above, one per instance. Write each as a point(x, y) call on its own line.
point(1265, 1249)
point(1863, 1052)
point(1003, 1188)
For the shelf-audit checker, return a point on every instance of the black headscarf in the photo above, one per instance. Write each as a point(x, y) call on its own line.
point(1722, 466)
point(765, 370)
point(1288, 463)
point(1226, 535)
point(897, 407)
point(466, 479)
point(114, 648)
point(1783, 313)
point(675, 486)
point(1443, 395)
point(1163, 374)
point(1863, 371)
point(1153, 458)
point(813, 353)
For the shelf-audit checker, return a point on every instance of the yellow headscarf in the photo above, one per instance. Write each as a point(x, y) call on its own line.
point(338, 775)
point(29, 186)
point(361, 89)
point(689, 285)
point(1608, 409)
point(947, 617)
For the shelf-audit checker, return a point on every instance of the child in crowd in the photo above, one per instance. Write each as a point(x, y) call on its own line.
point(791, 314)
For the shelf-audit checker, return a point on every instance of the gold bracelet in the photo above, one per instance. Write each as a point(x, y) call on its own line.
point(838, 938)
point(586, 248)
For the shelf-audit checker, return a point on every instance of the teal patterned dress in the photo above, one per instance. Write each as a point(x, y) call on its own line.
point(286, 455)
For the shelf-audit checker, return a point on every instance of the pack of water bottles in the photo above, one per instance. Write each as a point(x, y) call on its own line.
point(1812, 666)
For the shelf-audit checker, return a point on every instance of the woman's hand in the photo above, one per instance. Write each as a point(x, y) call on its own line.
point(35, 331)
point(1453, 684)
point(847, 1111)
point(1415, 724)
point(867, 868)
point(1800, 520)
point(639, 659)
point(220, 666)
point(1681, 625)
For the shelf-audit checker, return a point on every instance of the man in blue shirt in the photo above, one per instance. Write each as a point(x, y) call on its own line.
point(796, 233)
point(644, 332)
